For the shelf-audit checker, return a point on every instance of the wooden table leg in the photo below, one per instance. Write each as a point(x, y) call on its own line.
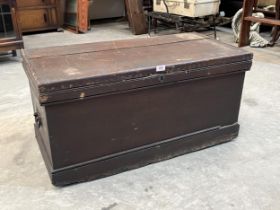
point(245, 25)
point(155, 24)
point(14, 53)
point(276, 29)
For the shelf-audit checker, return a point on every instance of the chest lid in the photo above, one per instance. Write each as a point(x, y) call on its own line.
point(78, 71)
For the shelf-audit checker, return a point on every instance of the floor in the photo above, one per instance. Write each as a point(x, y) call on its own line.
point(241, 175)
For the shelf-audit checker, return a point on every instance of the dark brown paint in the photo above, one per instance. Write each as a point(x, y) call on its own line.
point(119, 113)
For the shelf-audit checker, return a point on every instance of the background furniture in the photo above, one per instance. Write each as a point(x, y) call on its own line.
point(136, 17)
point(230, 7)
point(249, 7)
point(196, 8)
point(38, 15)
point(148, 5)
point(76, 15)
point(183, 23)
point(100, 9)
point(10, 35)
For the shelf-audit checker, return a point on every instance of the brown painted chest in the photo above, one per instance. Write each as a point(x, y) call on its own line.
point(103, 108)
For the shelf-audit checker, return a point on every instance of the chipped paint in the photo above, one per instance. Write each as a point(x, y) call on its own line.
point(82, 95)
point(43, 98)
point(71, 71)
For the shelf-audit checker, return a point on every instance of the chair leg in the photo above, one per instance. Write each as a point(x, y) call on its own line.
point(155, 24)
point(276, 29)
point(245, 25)
point(14, 53)
point(255, 3)
point(275, 35)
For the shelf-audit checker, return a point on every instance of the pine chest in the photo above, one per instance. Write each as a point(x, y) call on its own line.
point(103, 108)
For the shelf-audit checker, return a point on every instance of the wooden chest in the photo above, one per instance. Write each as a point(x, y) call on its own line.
point(189, 8)
point(104, 108)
